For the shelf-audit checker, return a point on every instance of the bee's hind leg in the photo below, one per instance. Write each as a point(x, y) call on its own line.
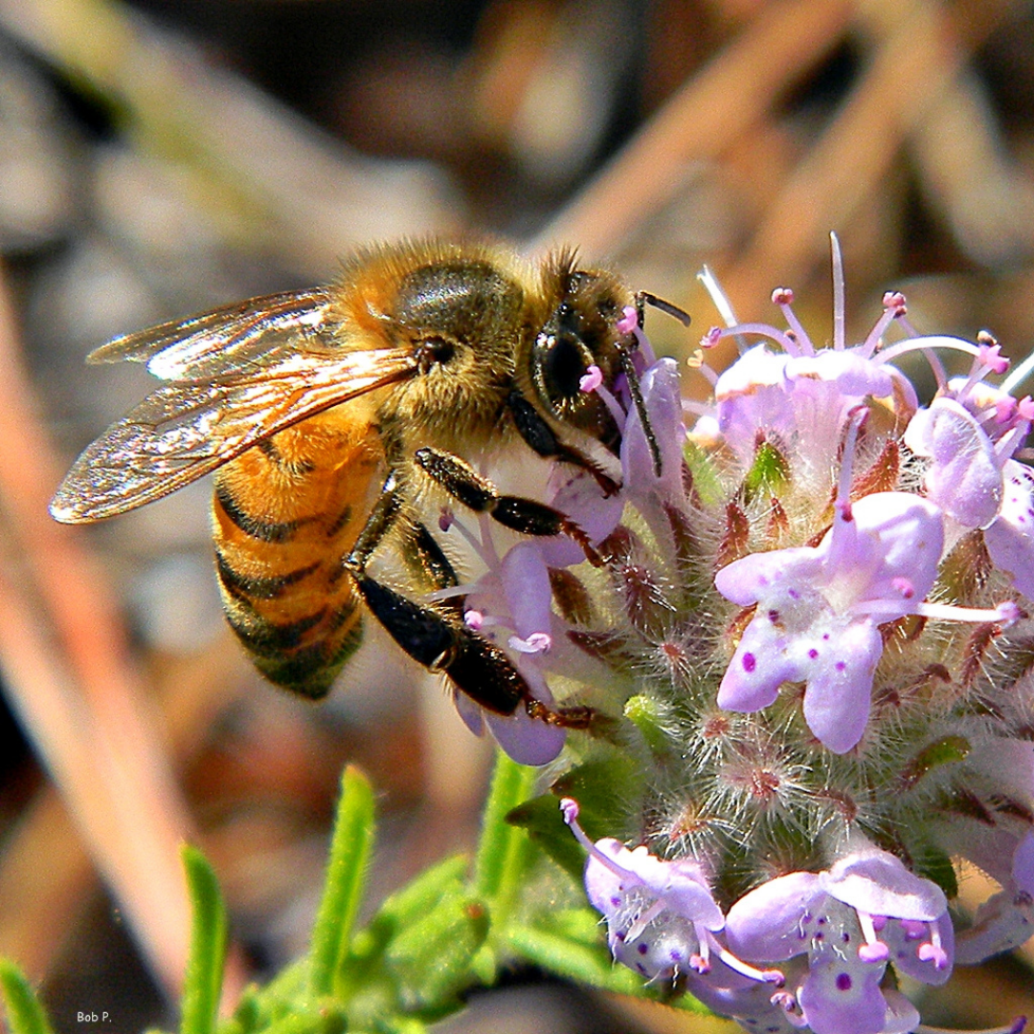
point(527, 516)
point(478, 668)
point(435, 636)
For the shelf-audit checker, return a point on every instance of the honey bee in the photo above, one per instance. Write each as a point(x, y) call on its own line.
point(421, 354)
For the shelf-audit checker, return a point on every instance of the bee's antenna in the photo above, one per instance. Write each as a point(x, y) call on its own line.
point(628, 368)
point(644, 298)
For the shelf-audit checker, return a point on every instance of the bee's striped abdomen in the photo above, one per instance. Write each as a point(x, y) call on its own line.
point(285, 513)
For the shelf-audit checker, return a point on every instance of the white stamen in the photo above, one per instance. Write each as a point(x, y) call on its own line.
point(838, 293)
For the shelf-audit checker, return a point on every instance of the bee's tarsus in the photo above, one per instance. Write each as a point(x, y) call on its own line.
point(443, 644)
point(564, 717)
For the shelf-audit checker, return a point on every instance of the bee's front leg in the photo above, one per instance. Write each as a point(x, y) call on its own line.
point(527, 516)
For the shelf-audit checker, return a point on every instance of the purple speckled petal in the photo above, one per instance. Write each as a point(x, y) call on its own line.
point(681, 884)
point(760, 665)
point(902, 1016)
point(965, 478)
point(853, 375)
point(580, 497)
point(841, 995)
point(1010, 540)
point(768, 924)
point(877, 882)
point(527, 740)
point(905, 948)
point(472, 714)
point(603, 886)
point(837, 698)
point(892, 536)
point(1023, 864)
point(526, 586)
point(754, 577)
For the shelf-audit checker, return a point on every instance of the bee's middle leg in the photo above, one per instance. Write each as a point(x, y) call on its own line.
point(477, 493)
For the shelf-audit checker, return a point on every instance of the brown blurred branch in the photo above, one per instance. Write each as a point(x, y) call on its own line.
point(66, 665)
point(39, 900)
point(919, 50)
point(263, 175)
point(714, 108)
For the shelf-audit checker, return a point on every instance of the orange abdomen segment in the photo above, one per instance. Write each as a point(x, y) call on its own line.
point(286, 513)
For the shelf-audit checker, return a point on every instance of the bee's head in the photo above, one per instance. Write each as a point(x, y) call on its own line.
point(579, 332)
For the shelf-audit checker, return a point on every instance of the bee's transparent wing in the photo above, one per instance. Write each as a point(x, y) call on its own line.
point(232, 338)
point(241, 375)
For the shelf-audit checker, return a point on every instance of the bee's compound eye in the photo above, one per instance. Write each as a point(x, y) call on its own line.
point(563, 367)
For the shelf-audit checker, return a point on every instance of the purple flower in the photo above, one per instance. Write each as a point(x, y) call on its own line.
point(849, 921)
point(662, 398)
point(802, 397)
point(511, 604)
point(1010, 538)
point(965, 476)
point(576, 494)
point(969, 434)
point(795, 399)
point(661, 915)
point(818, 608)
point(1006, 919)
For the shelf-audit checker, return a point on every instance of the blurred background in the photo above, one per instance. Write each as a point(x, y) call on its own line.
point(164, 156)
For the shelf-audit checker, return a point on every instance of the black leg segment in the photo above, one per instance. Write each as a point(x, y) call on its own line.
point(526, 516)
point(475, 666)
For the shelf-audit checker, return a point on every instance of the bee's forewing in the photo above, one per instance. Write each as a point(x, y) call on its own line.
point(226, 340)
point(187, 429)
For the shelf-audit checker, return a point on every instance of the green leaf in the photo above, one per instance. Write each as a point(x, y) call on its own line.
point(25, 1015)
point(930, 861)
point(769, 472)
point(597, 786)
point(322, 1022)
point(350, 849)
point(706, 481)
point(601, 787)
point(586, 963)
point(423, 893)
point(591, 964)
point(204, 978)
point(502, 848)
point(545, 825)
point(645, 712)
point(948, 750)
point(431, 956)
point(249, 1015)
point(405, 1025)
point(364, 980)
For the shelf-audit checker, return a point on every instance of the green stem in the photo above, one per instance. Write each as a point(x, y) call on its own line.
point(25, 1015)
point(350, 850)
point(204, 978)
point(503, 849)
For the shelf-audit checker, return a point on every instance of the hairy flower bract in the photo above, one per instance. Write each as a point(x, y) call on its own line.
point(809, 627)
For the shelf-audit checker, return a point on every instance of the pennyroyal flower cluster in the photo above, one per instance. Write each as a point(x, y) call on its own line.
point(814, 617)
